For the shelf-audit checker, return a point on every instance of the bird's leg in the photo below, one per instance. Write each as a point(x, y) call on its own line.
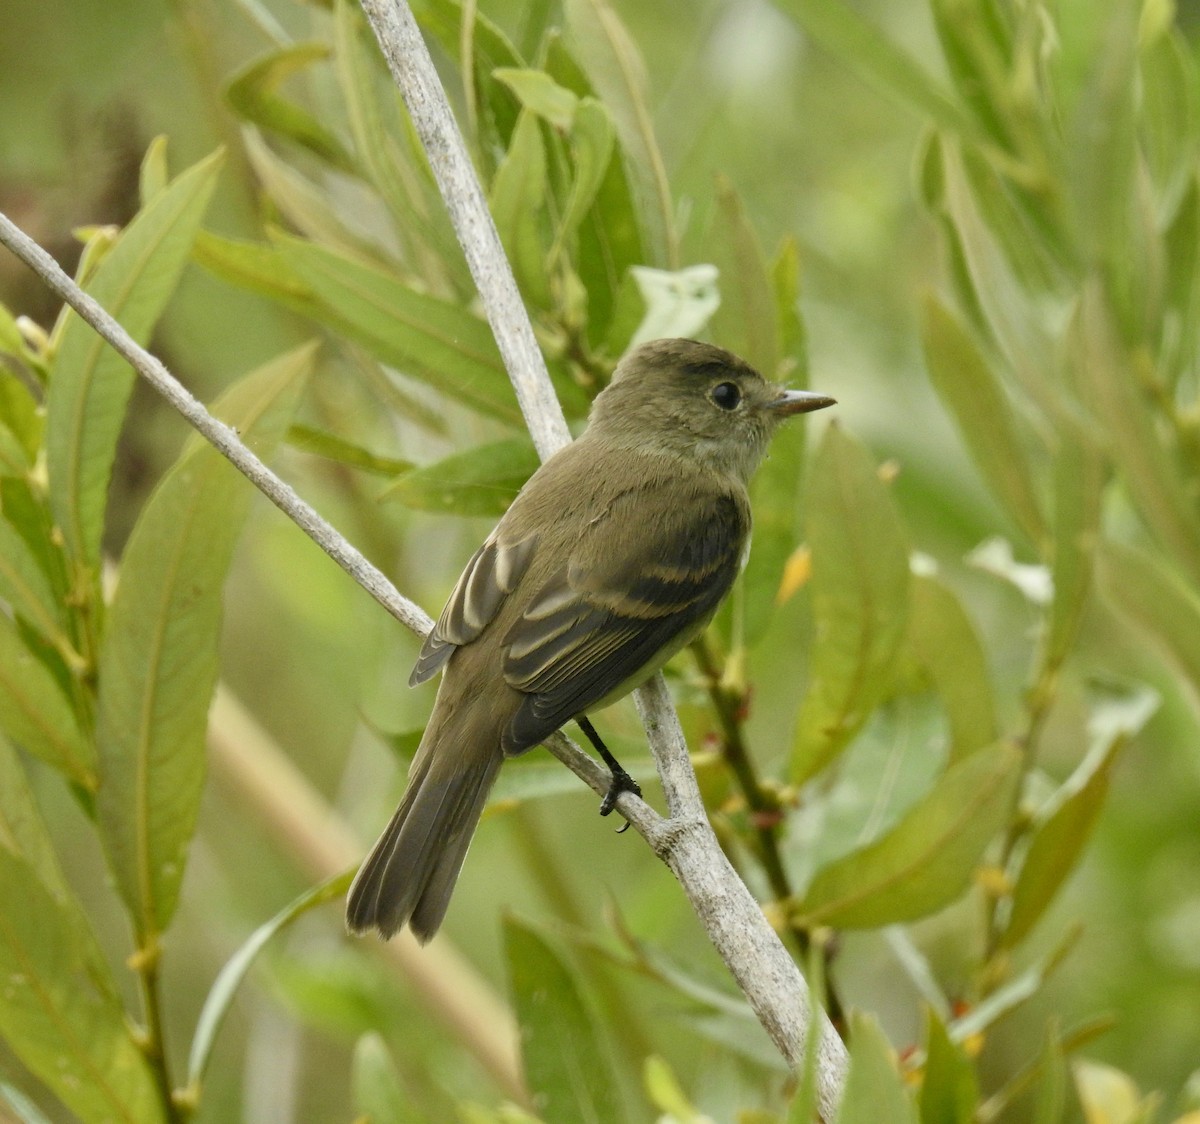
point(621, 780)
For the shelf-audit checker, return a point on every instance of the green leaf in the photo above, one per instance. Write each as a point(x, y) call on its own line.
point(66, 1026)
point(1112, 378)
point(860, 586)
point(540, 94)
point(153, 174)
point(874, 1088)
point(1079, 478)
point(518, 204)
point(854, 42)
point(949, 1090)
point(928, 859)
point(1051, 1095)
point(1148, 595)
point(378, 1094)
point(388, 150)
point(1110, 1096)
point(947, 648)
point(428, 338)
point(973, 395)
point(89, 382)
point(616, 70)
point(1059, 836)
point(21, 828)
point(340, 451)
point(481, 481)
point(567, 1061)
point(253, 95)
point(746, 321)
point(158, 664)
point(592, 138)
point(24, 585)
point(36, 714)
point(224, 988)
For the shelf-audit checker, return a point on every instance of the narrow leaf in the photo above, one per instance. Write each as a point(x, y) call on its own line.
point(224, 989)
point(89, 382)
point(36, 714)
point(1059, 837)
point(518, 203)
point(592, 139)
point(1111, 379)
point(1153, 599)
point(428, 338)
point(254, 95)
point(1079, 478)
point(567, 1061)
point(746, 321)
point(612, 62)
point(24, 585)
point(378, 1092)
point(540, 94)
point(841, 31)
point(481, 481)
point(928, 859)
point(947, 648)
point(860, 583)
point(874, 1089)
point(949, 1089)
point(973, 395)
point(63, 1025)
point(158, 664)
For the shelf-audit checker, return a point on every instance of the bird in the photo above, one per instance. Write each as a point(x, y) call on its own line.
point(614, 555)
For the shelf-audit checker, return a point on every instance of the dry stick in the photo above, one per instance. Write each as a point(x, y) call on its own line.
point(686, 843)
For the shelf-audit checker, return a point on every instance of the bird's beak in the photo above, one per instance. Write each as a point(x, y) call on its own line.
point(800, 402)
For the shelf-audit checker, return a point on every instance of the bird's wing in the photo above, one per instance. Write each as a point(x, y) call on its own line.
point(490, 576)
point(644, 577)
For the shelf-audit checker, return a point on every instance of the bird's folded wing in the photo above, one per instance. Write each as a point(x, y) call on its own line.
point(490, 576)
point(642, 579)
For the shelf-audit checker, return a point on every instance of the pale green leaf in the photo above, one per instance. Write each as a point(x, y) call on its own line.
point(481, 481)
point(24, 585)
point(860, 588)
point(874, 1088)
point(153, 174)
point(518, 204)
point(426, 337)
point(949, 1090)
point(567, 1061)
point(378, 1092)
point(974, 396)
point(254, 95)
point(1111, 378)
point(540, 94)
point(591, 139)
point(1140, 588)
point(158, 663)
point(613, 64)
point(928, 859)
point(947, 648)
point(841, 31)
point(36, 714)
point(89, 382)
point(746, 321)
point(64, 1026)
point(1059, 836)
point(224, 988)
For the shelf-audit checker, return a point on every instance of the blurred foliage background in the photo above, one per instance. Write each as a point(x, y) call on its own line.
point(975, 223)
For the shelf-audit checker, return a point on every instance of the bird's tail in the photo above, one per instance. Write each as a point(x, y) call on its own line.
point(410, 873)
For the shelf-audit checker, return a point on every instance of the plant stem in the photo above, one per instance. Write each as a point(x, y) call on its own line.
point(154, 1046)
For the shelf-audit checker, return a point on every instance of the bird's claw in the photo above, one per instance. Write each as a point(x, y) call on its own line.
point(621, 782)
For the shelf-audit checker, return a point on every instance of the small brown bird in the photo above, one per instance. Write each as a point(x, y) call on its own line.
point(614, 555)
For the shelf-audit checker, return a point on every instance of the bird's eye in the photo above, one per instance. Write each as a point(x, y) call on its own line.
point(727, 395)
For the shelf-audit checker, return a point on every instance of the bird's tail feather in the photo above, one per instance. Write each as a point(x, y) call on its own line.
point(410, 873)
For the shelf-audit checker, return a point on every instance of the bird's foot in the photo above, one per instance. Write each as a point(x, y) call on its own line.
point(621, 782)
